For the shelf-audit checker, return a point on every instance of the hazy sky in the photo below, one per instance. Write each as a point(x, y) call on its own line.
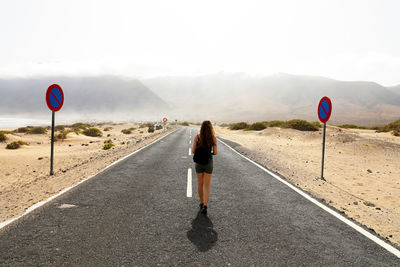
point(348, 40)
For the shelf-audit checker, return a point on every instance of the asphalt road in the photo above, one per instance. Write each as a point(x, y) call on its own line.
point(137, 213)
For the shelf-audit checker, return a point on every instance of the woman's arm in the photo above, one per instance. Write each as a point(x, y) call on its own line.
point(215, 149)
point(194, 144)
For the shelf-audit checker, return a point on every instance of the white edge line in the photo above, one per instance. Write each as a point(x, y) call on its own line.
point(41, 203)
point(190, 151)
point(367, 234)
point(189, 183)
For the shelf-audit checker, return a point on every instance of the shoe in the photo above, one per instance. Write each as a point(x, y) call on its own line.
point(201, 206)
point(204, 210)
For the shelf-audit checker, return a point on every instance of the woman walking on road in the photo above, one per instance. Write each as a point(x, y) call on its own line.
point(204, 147)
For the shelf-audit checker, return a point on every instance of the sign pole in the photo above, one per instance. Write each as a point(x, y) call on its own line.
point(324, 113)
point(323, 153)
point(53, 114)
point(54, 100)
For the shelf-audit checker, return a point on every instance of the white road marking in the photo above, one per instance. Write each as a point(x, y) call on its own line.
point(41, 203)
point(190, 141)
point(189, 183)
point(190, 151)
point(358, 228)
point(67, 206)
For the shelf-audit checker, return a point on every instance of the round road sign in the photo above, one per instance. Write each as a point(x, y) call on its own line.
point(54, 97)
point(165, 120)
point(324, 109)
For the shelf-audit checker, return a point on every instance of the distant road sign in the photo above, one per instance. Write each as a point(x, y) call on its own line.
point(324, 109)
point(165, 120)
point(54, 97)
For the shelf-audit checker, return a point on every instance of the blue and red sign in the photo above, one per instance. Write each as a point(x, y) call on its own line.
point(324, 109)
point(54, 97)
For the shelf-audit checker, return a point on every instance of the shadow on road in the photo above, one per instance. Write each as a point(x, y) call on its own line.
point(202, 234)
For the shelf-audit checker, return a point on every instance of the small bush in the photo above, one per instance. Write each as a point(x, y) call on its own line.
point(61, 136)
point(13, 145)
point(108, 129)
point(108, 146)
point(396, 133)
point(22, 143)
point(16, 145)
point(79, 126)
point(393, 126)
point(128, 131)
point(276, 124)
point(185, 123)
point(93, 132)
point(38, 130)
point(3, 137)
point(108, 141)
point(108, 135)
point(317, 123)
point(351, 126)
point(257, 126)
point(59, 128)
point(225, 125)
point(22, 130)
point(239, 126)
point(301, 125)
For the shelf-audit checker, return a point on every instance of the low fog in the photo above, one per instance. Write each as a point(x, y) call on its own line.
point(220, 97)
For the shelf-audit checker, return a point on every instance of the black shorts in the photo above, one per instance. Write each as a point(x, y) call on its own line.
point(208, 168)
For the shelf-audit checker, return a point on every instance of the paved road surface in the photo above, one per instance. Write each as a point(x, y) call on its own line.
point(137, 213)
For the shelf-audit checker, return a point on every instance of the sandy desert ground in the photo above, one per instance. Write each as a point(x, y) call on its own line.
point(24, 176)
point(362, 169)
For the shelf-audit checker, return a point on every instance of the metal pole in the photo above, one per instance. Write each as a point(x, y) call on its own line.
point(323, 153)
point(52, 142)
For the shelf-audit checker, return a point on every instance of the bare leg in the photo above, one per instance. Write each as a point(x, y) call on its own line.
point(207, 180)
point(200, 183)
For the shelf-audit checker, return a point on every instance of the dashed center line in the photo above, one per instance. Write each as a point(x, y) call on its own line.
point(189, 183)
point(190, 151)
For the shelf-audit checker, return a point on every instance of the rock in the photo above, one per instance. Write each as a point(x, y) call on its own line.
point(390, 236)
point(122, 143)
point(355, 203)
point(369, 171)
point(70, 145)
point(378, 208)
point(83, 144)
point(86, 144)
point(40, 158)
point(369, 204)
point(91, 142)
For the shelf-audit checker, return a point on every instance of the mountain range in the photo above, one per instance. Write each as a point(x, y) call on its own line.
point(220, 97)
point(239, 96)
point(85, 97)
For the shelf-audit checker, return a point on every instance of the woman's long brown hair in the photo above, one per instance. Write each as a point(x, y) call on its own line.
point(207, 134)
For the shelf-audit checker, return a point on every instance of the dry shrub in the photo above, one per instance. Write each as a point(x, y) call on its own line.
point(93, 132)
